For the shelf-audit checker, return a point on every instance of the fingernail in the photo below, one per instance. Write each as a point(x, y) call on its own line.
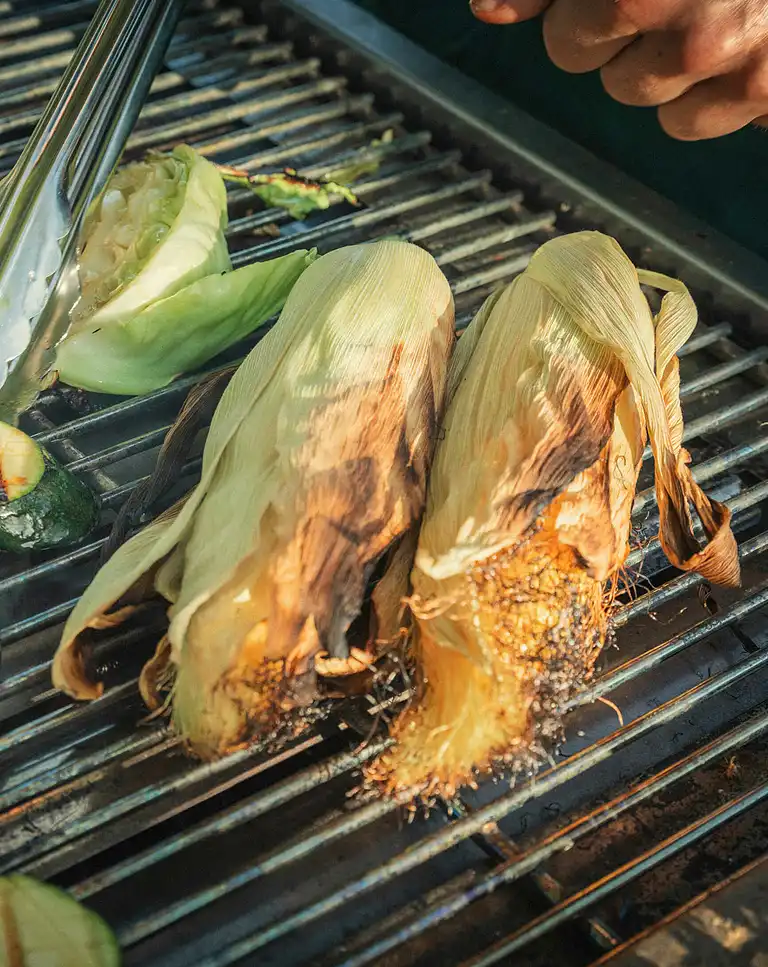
point(494, 11)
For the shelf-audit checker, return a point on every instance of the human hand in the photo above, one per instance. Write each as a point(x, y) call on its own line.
point(703, 63)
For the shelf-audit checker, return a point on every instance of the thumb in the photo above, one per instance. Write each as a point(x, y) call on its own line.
point(507, 11)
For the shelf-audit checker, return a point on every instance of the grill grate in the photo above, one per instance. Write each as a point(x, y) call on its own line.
point(207, 864)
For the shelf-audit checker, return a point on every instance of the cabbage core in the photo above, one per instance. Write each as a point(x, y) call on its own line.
point(130, 220)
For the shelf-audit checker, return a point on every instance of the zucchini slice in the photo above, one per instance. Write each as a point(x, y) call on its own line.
point(42, 505)
point(41, 926)
point(21, 463)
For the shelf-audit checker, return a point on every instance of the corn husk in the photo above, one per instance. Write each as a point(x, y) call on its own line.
point(314, 466)
point(553, 392)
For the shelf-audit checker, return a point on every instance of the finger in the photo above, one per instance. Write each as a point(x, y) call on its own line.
point(661, 66)
point(583, 35)
point(716, 107)
point(723, 37)
point(507, 11)
point(648, 72)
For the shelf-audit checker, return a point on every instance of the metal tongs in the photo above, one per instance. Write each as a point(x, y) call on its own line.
point(66, 163)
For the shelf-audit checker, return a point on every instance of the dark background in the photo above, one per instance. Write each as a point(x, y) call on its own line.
point(723, 181)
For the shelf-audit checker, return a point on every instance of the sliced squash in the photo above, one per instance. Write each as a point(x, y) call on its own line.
point(21, 463)
point(42, 504)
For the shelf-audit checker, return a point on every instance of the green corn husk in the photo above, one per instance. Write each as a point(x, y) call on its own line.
point(553, 392)
point(315, 465)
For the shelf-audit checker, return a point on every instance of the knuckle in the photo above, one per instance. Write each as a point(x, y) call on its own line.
point(560, 46)
point(706, 48)
point(662, 15)
point(641, 14)
point(756, 83)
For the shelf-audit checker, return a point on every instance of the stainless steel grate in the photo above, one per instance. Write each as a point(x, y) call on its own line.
point(267, 859)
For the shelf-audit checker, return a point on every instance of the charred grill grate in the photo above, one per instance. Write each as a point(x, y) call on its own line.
point(265, 858)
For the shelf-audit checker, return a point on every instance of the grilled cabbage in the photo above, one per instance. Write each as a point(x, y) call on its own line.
point(158, 294)
point(41, 926)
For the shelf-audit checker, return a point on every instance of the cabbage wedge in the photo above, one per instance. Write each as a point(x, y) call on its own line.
point(42, 925)
point(158, 294)
point(553, 391)
point(315, 465)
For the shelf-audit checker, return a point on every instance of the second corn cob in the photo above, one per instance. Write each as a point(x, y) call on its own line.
point(553, 391)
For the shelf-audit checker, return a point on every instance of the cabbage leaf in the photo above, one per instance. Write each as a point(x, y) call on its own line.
point(40, 924)
point(158, 294)
point(176, 335)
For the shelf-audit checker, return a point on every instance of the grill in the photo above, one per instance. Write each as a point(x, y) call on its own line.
point(267, 858)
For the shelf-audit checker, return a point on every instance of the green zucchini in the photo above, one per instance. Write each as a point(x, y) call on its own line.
point(42, 505)
point(41, 926)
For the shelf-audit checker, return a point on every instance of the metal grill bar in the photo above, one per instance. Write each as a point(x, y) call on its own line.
point(69, 451)
point(37, 67)
point(500, 847)
point(458, 831)
point(42, 619)
point(344, 107)
point(401, 207)
point(247, 811)
point(53, 854)
point(302, 847)
point(528, 861)
point(647, 861)
point(718, 374)
point(721, 418)
point(24, 23)
point(745, 501)
point(34, 92)
point(701, 340)
point(290, 150)
point(710, 469)
point(93, 765)
point(32, 45)
point(655, 656)
point(175, 130)
point(679, 585)
point(138, 748)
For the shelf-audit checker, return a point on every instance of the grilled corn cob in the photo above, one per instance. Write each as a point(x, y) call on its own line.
point(314, 466)
point(553, 392)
